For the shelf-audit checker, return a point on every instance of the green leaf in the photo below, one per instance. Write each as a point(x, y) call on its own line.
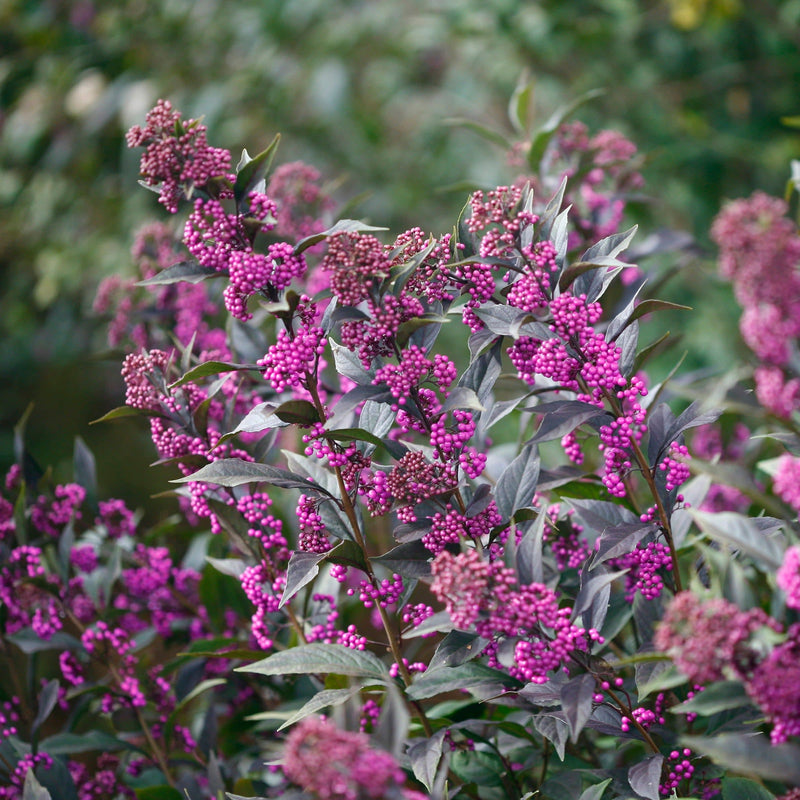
point(750, 753)
point(64, 744)
point(451, 679)
point(323, 699)
point(30, 642)
point(159, 793)
point(188, 271)
point(201, 687)
point(297, 412)
point(251, 171)
point(661, 681)
point(48, 697)
point(342, 226)
point(260, 418)
point(486, 133)
point(543, 135)
point(744, 789)
point(85, 468)
point(595, 792)
point(519, 106)
point(208, 368)
point(317, 658)
point(234, 472)
point(123, 411)
point(717, 697)
point(457, 648)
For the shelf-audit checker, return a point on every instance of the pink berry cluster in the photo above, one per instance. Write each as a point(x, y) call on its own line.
point(759, 253)
point(483, 595)
point(177, 158)
point(708, 639)
point(788, 576)
point(606, 164)
point(333, 764)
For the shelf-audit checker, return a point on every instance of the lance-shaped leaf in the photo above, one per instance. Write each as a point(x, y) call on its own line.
point(349, 364)
point(645, 776)
point(542, 135)
point(482, 374)
point(48, 697)
point(601, 515)
point(620, 539)
point(645, 307)
point(319, 658)
point(553, 726)
point(327, 698)
point(450, 679)
point(529, 552)
point(350, 400)
point(235, 472)
point(516, 486)
point(424, 756)
point(33, 790)
point(664, 428)
point(260, 418)
point(457, 648)
point(595, 792)
point(342, 226)
point(188, 271)
point(576, 702)
point(563, 417)
point(251, 171)
point(463, 398)
point(297, 412)
point(507, 321)
point(410, 559)
point(750, 753)
point(743, 533)
point(303, 567)
point(721, 696)
point(208, 368)
point(590, 586)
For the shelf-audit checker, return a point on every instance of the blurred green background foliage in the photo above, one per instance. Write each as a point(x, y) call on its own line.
point(365, 90)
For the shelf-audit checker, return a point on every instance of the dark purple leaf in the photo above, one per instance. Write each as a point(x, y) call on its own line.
point(601, 515)
point(517, 484)
point(189, 271)
point(529, 552)
point(302, 569)
point(576, 701)
point(563, 417)
point(645, 776)
point(750, 753)
point(234, 472)
point(482, 374)
point(619, 540)
point(457, 648)
point(553, 726)
point(424, 756)
point(451, 679)
point(410, 559)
